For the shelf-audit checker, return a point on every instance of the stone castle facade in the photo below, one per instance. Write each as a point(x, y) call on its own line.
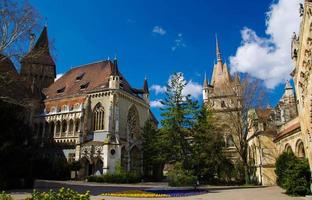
point(91, 114)
point(291, 125)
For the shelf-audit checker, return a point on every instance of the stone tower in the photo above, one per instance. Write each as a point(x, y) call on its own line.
point(38, 67)
point(219, 92)
point(287, 108)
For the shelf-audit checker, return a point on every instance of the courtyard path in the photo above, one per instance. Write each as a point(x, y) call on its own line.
point(215, 192)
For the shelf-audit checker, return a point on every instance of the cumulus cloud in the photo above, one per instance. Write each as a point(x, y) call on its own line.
point(58, 76)
point(159, 30)
point(158, 89)
point(178, 42)
point(268, 58)
point(156, 104)
point(192, 88)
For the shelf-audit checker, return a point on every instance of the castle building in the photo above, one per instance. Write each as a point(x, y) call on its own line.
point(301, 54)
point(91, 114)
point(221, 96)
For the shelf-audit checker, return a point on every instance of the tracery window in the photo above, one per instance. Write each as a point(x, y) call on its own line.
point(133, 122)
point(98, 117)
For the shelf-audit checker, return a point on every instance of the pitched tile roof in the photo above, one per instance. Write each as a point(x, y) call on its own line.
point(95, 74)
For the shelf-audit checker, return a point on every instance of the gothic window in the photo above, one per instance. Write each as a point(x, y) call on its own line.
point(71, 126)
point(77, 124)
point(229, 141)
point(58, 127)
point(288, 148)
point(98, 117)
point(64, 126)
point(123, 159)
point(135, 160)
point(133, 122)
point(300, 149)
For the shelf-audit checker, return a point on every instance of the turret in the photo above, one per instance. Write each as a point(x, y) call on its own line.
point(145, 91)
point(205, 89)
point(38, 66)
point(114, 78)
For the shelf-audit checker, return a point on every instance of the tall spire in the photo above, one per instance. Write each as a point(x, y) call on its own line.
point(219, 59)
point(145, 86)
point(205, 85)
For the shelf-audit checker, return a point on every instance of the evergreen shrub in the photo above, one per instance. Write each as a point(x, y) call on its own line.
point(293, 174)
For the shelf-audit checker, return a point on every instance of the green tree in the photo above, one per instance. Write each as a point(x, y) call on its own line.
point(153, 157)
point(208, 159)
point(178, 117)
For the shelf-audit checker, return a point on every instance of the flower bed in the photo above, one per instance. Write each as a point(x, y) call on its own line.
point(156, 193)
point(135, 193)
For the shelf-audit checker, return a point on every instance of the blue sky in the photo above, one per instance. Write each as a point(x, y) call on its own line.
point(183, 39)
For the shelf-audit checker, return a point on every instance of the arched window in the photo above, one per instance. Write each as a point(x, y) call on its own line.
point(77, 124)
point(229, 141)
point(288, 148)
point(300, 149)
point(58, 128)
point(71, 126)
point(98, 117)
point(64, 126)
point(133, 122)
point(124, 158)
point(65, 108)
point(135, 160)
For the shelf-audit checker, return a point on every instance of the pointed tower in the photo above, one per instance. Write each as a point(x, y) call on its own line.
point(146, 91)
point(205, 89)
point(114, 78)
point(220, 75)
point(38, 66)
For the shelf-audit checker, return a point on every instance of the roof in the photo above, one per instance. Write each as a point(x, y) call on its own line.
point(6, 65)
point(95, 76)
point(288, 129)
point(40, 53)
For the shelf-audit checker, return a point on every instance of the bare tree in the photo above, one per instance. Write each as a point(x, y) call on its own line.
point(18, 19)
point(246, 94)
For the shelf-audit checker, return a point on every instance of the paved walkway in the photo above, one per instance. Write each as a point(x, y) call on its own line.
point(214, 192)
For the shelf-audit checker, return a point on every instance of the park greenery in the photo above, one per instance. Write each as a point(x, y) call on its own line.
point(293, 174)
point(186, 140)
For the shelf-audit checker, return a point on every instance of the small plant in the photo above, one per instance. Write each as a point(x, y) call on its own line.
point(180, 177)
point(4, 196)
point(61, 194)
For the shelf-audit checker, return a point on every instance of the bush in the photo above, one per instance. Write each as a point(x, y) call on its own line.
point(180, 177)
point(123, 177)
point(4, 196)
point(293, 174)
point(61, 194)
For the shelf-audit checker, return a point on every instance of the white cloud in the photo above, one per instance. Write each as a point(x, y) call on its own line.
point(192, 88)
point(159, 30)
point(268, 58)
point(178, 42)
point(159, 89)
point(156, 104)
point(58, 76)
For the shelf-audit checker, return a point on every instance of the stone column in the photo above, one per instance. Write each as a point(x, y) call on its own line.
point(105, 158)
point(67, 129)
point(55, 127)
